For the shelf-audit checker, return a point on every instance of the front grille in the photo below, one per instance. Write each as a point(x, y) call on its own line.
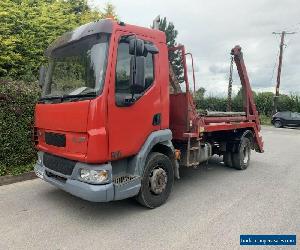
point(120, 180)
point(58, 164)
point(59, 178)
point(55, 139)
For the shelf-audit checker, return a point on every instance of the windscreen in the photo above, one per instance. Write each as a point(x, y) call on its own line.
point(77, 68)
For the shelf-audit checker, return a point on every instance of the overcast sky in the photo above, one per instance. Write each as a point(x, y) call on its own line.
point(209, 29)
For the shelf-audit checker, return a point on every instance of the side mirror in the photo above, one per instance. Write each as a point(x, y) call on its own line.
point(136, 47)
point(137, 74)
point(42, 75)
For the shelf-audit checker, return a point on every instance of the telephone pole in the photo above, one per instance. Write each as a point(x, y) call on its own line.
point(283, 34)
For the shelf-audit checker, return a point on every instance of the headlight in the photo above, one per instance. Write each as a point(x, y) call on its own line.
point(94, 176)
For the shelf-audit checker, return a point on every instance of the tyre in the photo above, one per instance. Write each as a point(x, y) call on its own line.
point(157, 181)
point(241, 159)
point(227, 159)
point(277, 124)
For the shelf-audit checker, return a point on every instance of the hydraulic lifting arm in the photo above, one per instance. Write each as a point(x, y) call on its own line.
point(249, 104)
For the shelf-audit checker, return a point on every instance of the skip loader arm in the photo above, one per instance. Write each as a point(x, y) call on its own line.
point(249, 104)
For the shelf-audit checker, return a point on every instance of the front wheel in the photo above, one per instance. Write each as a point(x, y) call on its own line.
point(277, 124)
point(241, 159)
point(157, 181)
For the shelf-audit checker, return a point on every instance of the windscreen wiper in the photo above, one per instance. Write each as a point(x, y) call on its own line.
point(61, 98)
point(91, 94)
point(46, 98)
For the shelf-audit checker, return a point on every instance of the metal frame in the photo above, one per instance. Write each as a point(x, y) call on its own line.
point(182, 49)
point(202, 124)
point(251, 120)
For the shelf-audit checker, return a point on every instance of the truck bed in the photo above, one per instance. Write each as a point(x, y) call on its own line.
point(186, 121)
point(183, 113)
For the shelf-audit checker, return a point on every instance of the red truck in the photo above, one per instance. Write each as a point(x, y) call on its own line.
point(107, 126)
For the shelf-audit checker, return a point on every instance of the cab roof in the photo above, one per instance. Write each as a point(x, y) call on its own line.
point(107, 26)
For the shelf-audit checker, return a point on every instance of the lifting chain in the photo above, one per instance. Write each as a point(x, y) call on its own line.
point(229, 99)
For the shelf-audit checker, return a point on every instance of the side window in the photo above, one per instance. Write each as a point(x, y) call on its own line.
point(149, 70)
point(123, 69)
point(296, 115)
point(286, 115)
point(122, 84)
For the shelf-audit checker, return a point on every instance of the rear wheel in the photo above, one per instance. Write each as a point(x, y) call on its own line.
point(277, 124)
point(157, 181)
point(241, 159)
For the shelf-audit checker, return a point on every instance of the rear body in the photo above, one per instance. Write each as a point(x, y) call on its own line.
point(107, 128)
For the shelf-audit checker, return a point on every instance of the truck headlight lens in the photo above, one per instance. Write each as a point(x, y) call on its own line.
point(94, 176)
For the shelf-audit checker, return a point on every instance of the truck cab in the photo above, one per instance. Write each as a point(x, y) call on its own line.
point(106, 126)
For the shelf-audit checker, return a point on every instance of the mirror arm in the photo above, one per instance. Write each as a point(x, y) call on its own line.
point(134, 71)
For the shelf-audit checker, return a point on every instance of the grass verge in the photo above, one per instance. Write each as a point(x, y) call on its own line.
point(265, 120)
point(16, 170)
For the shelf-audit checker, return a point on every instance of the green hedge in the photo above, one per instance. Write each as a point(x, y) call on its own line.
point(17, 101)
point(263, 100)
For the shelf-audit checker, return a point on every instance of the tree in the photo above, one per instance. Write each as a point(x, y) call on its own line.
point(200, 93)
point(287, 103)
point(237, 101)
point(27, 27)
point(264, 102)
point(174, 57)
point(109, 12)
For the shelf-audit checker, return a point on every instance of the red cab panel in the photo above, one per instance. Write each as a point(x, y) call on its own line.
point(69, 116)
point(66, 144)
point(62, 128)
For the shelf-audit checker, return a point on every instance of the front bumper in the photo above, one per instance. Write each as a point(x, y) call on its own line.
point(91, 192)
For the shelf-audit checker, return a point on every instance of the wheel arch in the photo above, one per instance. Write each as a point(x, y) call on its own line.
point(249, 133)
point(168, 150)
point(282, 121)
point(158, 141)
point(164, 148)
point(237, 137)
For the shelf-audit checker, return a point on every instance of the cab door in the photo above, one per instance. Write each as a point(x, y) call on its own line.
point(131, 120)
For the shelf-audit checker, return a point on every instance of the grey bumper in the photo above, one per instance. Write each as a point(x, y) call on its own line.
point(95, 193)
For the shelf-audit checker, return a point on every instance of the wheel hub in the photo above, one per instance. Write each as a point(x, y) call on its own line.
point(158, 180)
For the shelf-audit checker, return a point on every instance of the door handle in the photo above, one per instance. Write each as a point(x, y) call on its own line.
point(156, 119)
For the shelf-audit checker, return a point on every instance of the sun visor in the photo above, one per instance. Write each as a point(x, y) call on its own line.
point(102, 26)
